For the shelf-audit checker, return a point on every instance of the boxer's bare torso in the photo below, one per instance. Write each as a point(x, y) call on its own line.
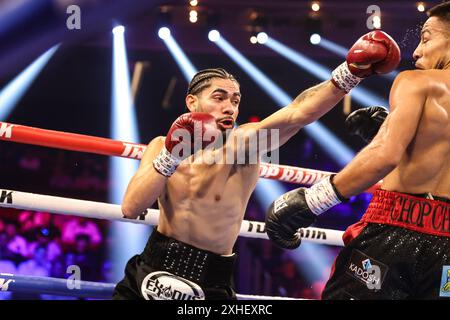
point(204, 204)
point(425, 166)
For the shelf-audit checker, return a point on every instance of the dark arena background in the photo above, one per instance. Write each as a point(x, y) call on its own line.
point(63, 68)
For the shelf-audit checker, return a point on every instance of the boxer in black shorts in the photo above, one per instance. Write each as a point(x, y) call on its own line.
point(169, 269)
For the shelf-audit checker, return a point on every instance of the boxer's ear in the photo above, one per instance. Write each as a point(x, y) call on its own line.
point(192, 102)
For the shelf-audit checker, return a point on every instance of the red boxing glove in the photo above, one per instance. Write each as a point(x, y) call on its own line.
point(189, 133)
point(374, 53)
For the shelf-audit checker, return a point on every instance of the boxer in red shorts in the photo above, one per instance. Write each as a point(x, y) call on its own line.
point(401, 247)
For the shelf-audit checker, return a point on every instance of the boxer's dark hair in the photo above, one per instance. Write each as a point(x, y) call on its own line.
point(202, 79)
point(441, 11)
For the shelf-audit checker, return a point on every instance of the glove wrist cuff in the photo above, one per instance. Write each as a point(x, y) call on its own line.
point(165, 163)
point(322, 196)
point(338, 194)
point(343, 78)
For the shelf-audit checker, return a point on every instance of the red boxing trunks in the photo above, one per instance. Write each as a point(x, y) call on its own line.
point(410, 212)
point(400, 249)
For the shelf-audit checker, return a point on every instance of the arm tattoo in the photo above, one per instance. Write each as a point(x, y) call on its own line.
point(309, 92)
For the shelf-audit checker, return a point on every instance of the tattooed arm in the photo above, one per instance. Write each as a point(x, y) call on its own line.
point(306, 108)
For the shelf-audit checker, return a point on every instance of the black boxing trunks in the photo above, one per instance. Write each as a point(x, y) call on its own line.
point(169, 269)
point(400, 249)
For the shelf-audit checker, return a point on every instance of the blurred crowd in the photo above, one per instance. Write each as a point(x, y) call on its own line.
point(44, 244)
point(50, 171)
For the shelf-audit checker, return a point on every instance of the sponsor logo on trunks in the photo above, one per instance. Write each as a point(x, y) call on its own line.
point(421, 213)
point(366, 264)
point(444, 290)
point(367, 270)
point(161, 285)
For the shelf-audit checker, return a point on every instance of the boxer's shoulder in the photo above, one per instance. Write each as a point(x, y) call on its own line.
point(245, 127)
point(153, 147)
point(421, 75)
point(428, 82)
point(157, 142)
point(412, 75)
point(160, 140)
point(420, 80)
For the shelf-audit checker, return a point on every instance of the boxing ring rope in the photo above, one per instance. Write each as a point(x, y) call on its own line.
point(107, 211)
point(100, 210)
point(104, 146)
point(79, 288)
point(55, 286)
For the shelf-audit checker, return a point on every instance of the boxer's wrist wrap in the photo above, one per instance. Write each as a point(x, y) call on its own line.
point(322, 196)
point(165, 163)
point(344, 79)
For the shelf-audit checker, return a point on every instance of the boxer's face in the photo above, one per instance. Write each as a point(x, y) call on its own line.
point(433, 51)
point(220, 99)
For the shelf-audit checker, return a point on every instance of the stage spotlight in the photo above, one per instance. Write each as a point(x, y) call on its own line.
point(421, 7)
point(262, 37)
point(193, 3)
point(123, 126)
point(253, 40)
point(315, 6)
point(359, 94)
point(315, 38)
point(193, 16)
point(213, 35)
point(180, 57)
point(118, 30)
point(164, 33)
point(13, 92)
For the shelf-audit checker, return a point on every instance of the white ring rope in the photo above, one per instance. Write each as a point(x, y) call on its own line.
point(107, 211)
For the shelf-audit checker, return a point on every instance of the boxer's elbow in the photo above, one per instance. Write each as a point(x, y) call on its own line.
point(383, 157)
point(378, 166)
point(390, 156)
point(386, 149)
point(129, 209)
point(396, 158)
point(390, 164)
